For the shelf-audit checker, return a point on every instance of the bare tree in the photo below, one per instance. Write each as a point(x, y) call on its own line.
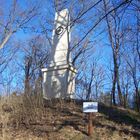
point(115, 36)
point(35, 59)
point(17, 19)
point(91, 79)
point(131, 58)
point(131, 53)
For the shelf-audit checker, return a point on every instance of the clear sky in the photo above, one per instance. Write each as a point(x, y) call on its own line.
point(98, 38)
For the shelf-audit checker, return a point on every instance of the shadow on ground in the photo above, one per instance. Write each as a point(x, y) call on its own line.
point(76, 119)
point(120, 117)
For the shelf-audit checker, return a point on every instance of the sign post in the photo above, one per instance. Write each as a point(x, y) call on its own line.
point(90, 107)
point(90, 126)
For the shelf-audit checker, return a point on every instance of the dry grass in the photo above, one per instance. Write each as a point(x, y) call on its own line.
point(23, 117)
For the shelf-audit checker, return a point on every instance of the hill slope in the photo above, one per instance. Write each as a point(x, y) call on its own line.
point(64, 120)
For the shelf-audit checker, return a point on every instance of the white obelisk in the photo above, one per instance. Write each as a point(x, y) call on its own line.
point(59, 77)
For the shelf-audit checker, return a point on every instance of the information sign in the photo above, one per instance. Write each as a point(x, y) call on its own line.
point(90, 107)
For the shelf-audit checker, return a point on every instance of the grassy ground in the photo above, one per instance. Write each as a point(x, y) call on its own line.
point(24, 119)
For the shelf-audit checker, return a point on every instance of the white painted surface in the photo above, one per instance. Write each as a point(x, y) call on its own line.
point(59, 52)
point(90, 107)
point(60, 83)
point(59, 77)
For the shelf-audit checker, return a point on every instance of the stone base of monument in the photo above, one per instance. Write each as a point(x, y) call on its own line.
point(59, 81)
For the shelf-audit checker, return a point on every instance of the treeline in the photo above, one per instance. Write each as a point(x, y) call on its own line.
point(104, 46)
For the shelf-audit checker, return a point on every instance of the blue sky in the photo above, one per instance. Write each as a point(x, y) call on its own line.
point(48, 13)
point(100, 44)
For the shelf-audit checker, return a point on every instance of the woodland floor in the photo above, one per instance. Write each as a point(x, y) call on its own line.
point(66, 121)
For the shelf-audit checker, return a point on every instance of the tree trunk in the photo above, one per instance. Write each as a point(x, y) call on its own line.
point(113, 91)
point(119, 92)
point(26, 86)
point(27, 75)
point(116, 77)
point(137, 99)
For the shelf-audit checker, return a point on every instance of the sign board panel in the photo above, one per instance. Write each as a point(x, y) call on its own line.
point(90, 107)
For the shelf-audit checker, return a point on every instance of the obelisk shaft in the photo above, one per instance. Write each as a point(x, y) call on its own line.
point(60, 39)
